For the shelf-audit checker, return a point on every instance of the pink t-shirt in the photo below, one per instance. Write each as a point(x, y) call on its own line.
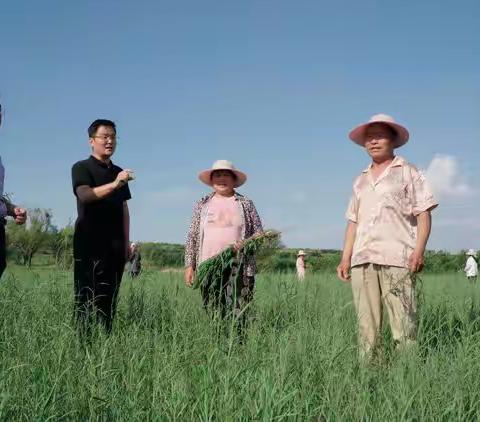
point(223, 226)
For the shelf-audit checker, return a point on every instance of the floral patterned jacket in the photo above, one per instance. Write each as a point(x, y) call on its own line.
point(251, 225)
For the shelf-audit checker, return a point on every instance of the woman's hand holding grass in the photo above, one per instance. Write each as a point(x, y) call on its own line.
point(238, 245)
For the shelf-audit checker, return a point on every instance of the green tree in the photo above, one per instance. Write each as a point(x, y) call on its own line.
point(28, 239)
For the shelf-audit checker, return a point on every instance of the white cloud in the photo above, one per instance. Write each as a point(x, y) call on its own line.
point(444, 176)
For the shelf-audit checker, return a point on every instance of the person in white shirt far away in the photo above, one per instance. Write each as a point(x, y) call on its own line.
point(300, 264)
point(471, 266)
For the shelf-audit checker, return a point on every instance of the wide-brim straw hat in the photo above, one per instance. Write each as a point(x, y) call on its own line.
point(301, 253)
point(357, 135)
point(206, 175)
point(471, 252)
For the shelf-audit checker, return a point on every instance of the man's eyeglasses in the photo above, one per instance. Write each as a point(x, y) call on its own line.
point(105, 138)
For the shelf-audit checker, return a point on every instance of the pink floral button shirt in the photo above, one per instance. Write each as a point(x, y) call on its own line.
point(386, 213)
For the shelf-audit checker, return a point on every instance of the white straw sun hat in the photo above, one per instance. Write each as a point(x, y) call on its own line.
point(206, 175)
point(471, 252)
point(357, 135)
point(301, 253)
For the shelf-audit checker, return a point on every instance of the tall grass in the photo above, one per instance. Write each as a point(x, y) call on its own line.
point(167, 360)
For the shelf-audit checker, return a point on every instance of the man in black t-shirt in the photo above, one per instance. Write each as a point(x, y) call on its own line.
point(101, 240)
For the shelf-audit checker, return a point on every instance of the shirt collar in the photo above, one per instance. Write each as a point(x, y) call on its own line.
point(101, 163)
point(397, 162)
point(238, 197)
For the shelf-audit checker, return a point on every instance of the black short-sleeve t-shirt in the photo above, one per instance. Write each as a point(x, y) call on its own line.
point(100, 221)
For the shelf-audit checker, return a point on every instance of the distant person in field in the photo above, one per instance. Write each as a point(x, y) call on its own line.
point(300, 265)
point(221, 219)
point(134, 261)
point(389, 224)
point(7, 209)
point(471, 266)
point(101, 240)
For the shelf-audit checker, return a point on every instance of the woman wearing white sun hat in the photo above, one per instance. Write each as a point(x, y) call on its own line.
point(471, 266)
point(220, 219)
point(389, 224)
point(300, 264)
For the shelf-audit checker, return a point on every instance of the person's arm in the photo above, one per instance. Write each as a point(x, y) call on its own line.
point(256, 226)
point(423, 202)
point(126, 229)
point(18, 213)
point(424, 226)
point(88, 194)
point(82, 182)
point(191, 245)
point(10, 207)
point(256, 220)
point(343, 269)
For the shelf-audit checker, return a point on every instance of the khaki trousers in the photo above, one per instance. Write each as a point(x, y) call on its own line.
point(373, 284)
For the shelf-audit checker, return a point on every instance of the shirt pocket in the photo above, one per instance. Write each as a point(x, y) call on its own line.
point(398, 198)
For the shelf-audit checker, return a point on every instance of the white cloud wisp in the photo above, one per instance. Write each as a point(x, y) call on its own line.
point(444, 176)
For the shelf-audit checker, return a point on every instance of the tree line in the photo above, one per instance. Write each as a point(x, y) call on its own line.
point(40, 237)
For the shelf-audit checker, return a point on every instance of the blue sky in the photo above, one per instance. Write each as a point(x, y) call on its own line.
point(274, 86)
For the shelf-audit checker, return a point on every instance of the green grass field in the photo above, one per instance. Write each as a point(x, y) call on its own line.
point(166, 361)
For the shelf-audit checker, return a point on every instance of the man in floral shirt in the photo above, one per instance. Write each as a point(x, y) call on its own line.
point(389, 224)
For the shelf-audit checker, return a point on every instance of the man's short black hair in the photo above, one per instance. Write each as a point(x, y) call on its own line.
point(92, 129)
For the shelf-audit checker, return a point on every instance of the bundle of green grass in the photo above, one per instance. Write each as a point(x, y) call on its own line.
point(214, 268)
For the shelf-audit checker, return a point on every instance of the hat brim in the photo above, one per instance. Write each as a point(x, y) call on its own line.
point(357, 135)
point(206, 177)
